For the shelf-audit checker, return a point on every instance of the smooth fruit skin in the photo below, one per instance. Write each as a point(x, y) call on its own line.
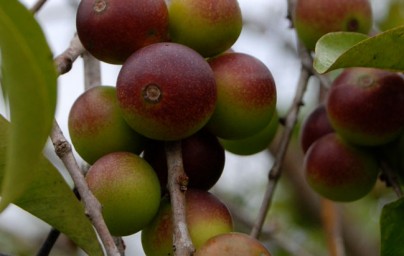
point(365, 105)
point(166, 91)
point(206, 217)
point(112, 30)
point(208, 26)
point(314, 126)
point(246, 96)
point(128, 190)
point(340, 171)
point(233, 244)
point(203, 159)
point(256, 143)
point(96, 125)
point(315, 18)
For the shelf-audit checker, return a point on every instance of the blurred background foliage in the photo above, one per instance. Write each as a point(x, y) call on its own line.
point(295, 224)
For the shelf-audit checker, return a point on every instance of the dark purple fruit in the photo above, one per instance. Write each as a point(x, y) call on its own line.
point(203, 159)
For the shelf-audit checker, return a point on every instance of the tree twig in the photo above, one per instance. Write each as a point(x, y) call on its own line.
point(177, 185)
point(63, 149)
point(120, 244)
point(332, 227)
point(37, 6)
point(64, 61)
point(92, 206)
point(275, 171)
point(92, 71)
point(49, 242)
point(290, 122)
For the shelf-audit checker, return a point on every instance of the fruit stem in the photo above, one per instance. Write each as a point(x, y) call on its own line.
point(100, 6)
point(152, 93)
point(177, 186)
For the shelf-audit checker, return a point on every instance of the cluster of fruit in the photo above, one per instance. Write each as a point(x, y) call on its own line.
point(358, 129)
point(179, 81)
point(345, 140)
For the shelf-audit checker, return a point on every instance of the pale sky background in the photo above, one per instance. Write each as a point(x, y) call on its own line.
point(270, 42)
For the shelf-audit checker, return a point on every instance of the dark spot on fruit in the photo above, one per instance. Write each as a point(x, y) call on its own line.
point(152, 93)
point(100, 6)
point(152, 32)
point(353, 25)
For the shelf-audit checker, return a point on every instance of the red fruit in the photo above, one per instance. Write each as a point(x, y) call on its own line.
point(314, 127)
point(166, 91)
point(112, 30)
point(338, 170)
point(246, 98)
point(202, 155)
point(365, 105)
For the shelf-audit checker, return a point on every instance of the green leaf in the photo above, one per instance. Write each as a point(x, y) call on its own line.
point(29, 79)
point(49, 198)
point(347, 49)
point(391, 226)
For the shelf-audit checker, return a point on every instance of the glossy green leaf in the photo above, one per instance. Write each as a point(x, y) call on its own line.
point(347, 49)
point(391, 226)
point(49, 198)
point(29, 80)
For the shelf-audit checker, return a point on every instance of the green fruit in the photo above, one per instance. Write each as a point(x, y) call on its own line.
point(206, 217)
point(208, 26)
point(246, 96)
point(112, 30)
point(166, 91)
point(315, 18)
point(340, 171)
point(128, 190)
point(96, 125)
point(256, 143)
point(365, 105)
point(233, 244)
